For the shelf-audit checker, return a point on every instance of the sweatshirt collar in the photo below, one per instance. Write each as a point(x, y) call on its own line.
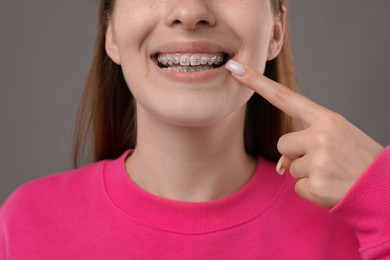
point(242, 206)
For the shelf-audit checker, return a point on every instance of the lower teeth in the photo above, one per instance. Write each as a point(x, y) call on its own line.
point(188, 69)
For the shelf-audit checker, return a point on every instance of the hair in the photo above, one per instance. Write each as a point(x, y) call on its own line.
point(106, 118)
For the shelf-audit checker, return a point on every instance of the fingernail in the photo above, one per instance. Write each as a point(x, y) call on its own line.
point(279, 168)
point(235, 67)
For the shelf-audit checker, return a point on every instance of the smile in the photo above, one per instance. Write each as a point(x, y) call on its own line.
point(190, 62)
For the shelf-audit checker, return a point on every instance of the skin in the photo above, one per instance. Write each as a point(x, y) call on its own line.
point(190, 143)
point(190, 135)
point(137, 28)
point(328, 156)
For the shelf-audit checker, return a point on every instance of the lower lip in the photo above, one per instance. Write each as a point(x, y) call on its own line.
point(197, 76)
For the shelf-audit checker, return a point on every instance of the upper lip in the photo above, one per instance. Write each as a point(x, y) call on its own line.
point(192, 47)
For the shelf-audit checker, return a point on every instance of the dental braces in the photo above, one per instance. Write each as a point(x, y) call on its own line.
point(188, 68)
point(187, 60)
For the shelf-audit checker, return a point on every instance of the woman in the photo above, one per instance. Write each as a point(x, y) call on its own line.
point(186, 160)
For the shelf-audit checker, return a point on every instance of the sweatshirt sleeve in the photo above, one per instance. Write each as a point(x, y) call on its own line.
point(366, 207)
point(3, 246)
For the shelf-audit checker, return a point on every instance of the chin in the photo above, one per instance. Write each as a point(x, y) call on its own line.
point(195, 107)
point(188, 116)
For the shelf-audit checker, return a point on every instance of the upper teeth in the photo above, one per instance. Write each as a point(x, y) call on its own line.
point(190, 59)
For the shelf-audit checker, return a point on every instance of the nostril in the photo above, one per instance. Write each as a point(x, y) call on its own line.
point(203, 22)
point(176, 22)
point(200, 23)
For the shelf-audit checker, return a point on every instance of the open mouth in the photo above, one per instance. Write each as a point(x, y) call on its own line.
point(190, 62)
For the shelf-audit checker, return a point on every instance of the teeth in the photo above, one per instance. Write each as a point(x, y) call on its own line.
point(204, 60)
point(195, 60)
point(185, 60)
point(212, 60)
point(176, 59)
point(189, 60)
point(188, 68)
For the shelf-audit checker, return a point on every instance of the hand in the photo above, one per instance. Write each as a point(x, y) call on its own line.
point(328, 155)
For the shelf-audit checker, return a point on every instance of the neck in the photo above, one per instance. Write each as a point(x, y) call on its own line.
point(190, 163)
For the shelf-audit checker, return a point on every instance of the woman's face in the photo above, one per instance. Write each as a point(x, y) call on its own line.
point(165, 48)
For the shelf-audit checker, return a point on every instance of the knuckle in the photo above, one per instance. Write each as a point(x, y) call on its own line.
point(257, 78)
point(333, 119)
point(320, 193)
point(315, 188)
point(322, 139)
point(300, 187)
point(294, 169)
point(283, 93)
point(320, 162)
point(281, 143)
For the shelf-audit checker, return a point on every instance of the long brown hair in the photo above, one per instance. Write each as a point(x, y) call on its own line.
point(106, 118)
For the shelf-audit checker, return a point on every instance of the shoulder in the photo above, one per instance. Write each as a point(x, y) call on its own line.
point(51, 190)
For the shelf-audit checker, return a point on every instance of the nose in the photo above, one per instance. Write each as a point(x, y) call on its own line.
point(190, 14)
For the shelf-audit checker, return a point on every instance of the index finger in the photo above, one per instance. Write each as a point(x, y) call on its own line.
point(290, 102)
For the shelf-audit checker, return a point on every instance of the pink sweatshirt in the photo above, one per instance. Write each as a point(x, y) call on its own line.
point(97, 212)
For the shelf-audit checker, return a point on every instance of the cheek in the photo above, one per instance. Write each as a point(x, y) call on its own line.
point(133, 23)
point(256, 45)
point(255, 33)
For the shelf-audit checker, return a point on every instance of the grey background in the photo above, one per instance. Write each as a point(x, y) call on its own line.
point(341, 51)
